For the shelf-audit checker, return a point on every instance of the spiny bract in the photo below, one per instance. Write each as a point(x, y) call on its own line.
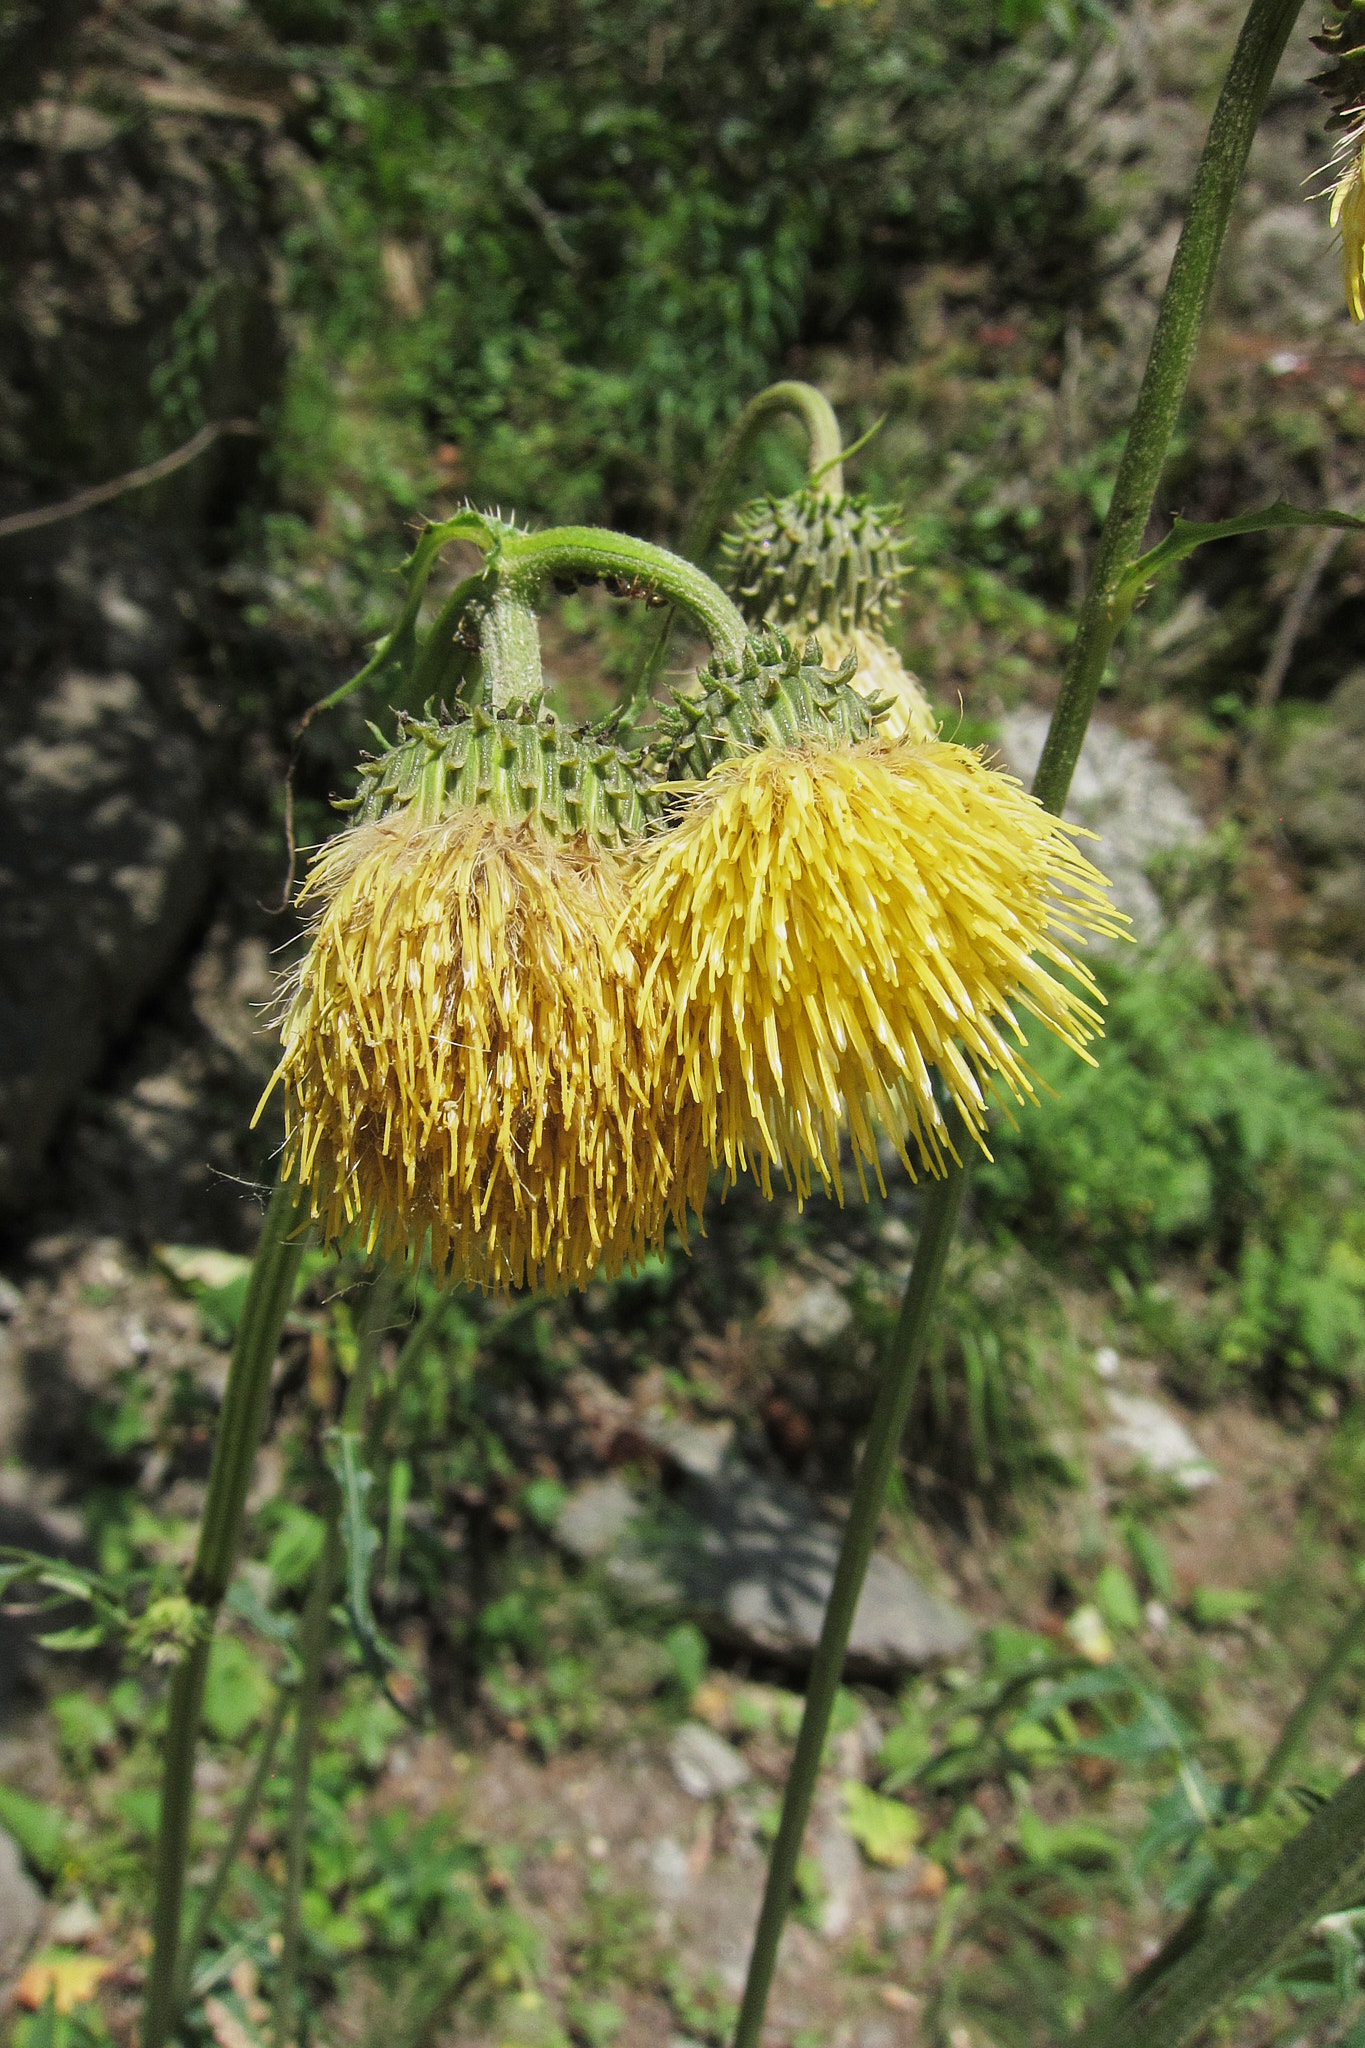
point(827, 925)
point(468, 1055)
point(882, 678)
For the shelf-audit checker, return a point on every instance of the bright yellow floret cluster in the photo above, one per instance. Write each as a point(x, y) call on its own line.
point(467, 1057)
point(1348, 213)
point(826, 926)
point(528, 1055)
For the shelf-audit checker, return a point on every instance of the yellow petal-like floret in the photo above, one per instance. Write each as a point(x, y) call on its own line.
point(466, 1054)
point(881, 674)
point(1348, 213)
point(828, 926)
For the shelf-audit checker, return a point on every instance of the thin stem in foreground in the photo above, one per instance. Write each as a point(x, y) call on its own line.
point(942, 1204)
point(313, 1656)
point(1254, 63)
point(269, 1293)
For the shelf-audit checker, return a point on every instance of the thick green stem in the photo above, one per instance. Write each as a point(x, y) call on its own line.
point(1310, 1876)
point(509, 641)
point(313, 1656)
point(942, 1203)
point(1254, 62)
point(824, 459)
point(269, 1293)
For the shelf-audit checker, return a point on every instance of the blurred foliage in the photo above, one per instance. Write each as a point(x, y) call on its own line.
point(542, 254)
point(1192, 1138)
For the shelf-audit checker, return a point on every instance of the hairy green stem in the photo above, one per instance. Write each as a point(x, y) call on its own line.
point(899, 1374)
point(230, 1851)
point(1311, 1875)
point(824, 459)
point(269, 1293)
point(509, 641)
point(312, 1656)
point(1254, 62)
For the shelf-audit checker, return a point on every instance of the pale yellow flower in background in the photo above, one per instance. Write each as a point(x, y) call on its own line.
point(467, 1057)
point(1348, 213)
point(828, 926)
point(882, 676)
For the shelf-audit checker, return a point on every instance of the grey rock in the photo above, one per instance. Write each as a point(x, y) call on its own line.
point(812, 1311)
point(704, 1763)
point(102, 871)
point(753, 1559)
point(21, 1910)
point(1146, 1434)
point(669, 1870)
point(595, 1517)
point(1122, 792)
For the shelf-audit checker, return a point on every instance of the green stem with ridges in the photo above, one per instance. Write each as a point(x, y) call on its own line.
point(269, 1293)
point(943, 1201)
point(312, 1657)
point(1257, 55)
point(824, 460)
point(1254, 63)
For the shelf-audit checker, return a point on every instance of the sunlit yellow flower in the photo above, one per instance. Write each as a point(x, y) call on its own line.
point(827, 925)
point(882, 677)
point(467, 1054)
point(1348, 213)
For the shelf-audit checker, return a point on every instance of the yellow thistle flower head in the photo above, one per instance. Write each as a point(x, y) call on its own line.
point(828, 926)
point(1348, 214)
point(467, 1057)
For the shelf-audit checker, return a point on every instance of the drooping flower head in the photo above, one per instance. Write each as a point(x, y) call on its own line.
point(1342, 85)
point(1348, 214)
point(830, 565)
point(467, 1059)
point(833, 924)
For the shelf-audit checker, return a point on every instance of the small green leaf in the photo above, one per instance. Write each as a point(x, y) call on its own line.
point(687, 1653)
point(236, 1692)
point(1188, 534)
point(1116, 1597)
point(39, 1830)
point(1222, 1606)
point(885, 1830)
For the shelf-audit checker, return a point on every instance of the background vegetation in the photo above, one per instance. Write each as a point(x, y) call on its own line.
point(538, 255)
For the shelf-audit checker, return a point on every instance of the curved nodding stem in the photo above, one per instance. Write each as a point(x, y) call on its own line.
point(824, 463)
point(595, 552)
